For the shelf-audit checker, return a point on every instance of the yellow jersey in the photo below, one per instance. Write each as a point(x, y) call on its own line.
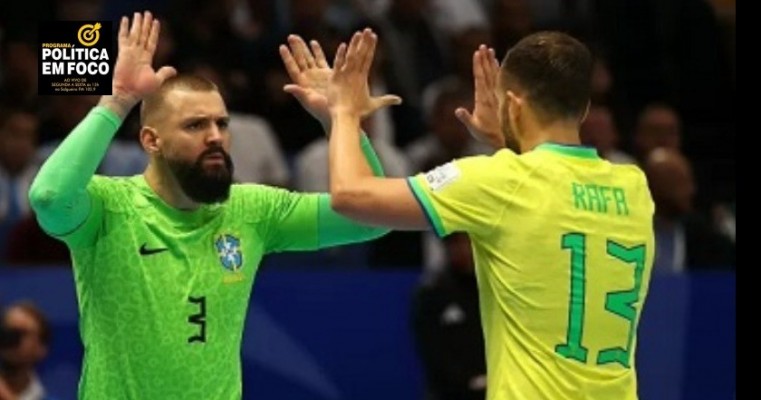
point(563, 244)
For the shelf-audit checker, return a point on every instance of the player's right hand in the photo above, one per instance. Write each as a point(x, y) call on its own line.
point(310, 73)
point(134, 76)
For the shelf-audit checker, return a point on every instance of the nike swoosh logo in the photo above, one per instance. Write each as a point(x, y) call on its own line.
point(145, 251)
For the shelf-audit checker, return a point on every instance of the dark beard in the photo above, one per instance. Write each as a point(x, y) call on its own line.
point(202, 186)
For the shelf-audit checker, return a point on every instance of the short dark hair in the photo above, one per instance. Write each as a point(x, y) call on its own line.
point(553, 70)
point(155, 101)
point(42, 322)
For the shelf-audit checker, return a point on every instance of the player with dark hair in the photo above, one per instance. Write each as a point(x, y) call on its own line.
point(563, 240)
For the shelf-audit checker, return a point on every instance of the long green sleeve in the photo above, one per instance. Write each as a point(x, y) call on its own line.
point(371, 156)
point(335, 229)
point(303, 221)
point(59, 194)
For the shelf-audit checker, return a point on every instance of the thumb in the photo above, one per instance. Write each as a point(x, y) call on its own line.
point(386, 100)
point(295, 90)
point(464, 116)
point(165, 73)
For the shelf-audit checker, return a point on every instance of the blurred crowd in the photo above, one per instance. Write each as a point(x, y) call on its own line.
point(664, 90)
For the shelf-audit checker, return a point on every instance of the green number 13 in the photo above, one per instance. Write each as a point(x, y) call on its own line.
point(622, 303)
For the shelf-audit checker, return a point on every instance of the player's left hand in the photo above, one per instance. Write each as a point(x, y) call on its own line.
point(310, 73)
point(483, 123)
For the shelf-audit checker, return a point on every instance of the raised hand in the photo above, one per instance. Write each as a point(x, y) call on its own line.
point(310, 73)
point(483, 123)
point(309, 70)
point(134, 76)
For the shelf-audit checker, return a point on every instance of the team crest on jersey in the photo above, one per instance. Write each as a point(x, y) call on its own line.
point(230, 256)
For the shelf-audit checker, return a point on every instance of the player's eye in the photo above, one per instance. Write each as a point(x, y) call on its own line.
point(223, 124)
point(195, 125)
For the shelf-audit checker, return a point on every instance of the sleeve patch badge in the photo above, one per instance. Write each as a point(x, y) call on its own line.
point(441, 176)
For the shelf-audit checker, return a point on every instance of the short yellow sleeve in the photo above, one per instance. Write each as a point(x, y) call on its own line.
point(465, 195)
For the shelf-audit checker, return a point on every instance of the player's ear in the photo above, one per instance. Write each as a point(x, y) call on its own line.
point(585, 113)
point(149, 139)
point(514, 105)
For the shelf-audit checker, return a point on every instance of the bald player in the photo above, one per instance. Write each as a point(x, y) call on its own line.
point(164, 262)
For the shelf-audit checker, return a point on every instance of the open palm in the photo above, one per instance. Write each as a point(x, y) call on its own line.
point(483, 123)
point(134, 77)
point(311, 74)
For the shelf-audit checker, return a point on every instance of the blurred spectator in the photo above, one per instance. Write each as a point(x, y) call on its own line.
point(311, 164)
point(447, 138)
point(255, 152)
point(571, 16)
point(511, 20)
point(463, 43)
point(206, 34)
point(602, 81)
point(684, 239)
point(447, 327)
point(18, 136)
point(658, 125)
point(416, 56)
point(5, 392)
point(451, 16)
point(19, 72)
point(725, 219)
point(62, 115)
point(79, 10)
point(599, 131)
point(29, 245)
point(27, 337)
point(125, 155)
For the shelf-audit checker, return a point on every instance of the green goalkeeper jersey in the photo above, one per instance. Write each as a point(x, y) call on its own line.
point(162, 292)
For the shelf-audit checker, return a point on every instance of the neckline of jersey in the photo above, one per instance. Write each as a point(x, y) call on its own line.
point(572, 150)
point(188, 216)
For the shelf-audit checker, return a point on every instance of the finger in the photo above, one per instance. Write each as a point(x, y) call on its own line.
point(299, 51)
point(145, 29)
point(485, 64)
point(297, 91)
point(370, 41)
point(290, 63)
point(351, 51)
point(165, 73)
point(493, 65)
point(478, 79)
point(153, 37)
point(464, 116)
point(386, 100)
point(123, 30)
point(340, 59)
point(493, 58)
point(134, 32)
point(319, 55)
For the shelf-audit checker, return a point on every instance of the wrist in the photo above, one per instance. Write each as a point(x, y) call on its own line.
point(118, 104)
point(344, 117)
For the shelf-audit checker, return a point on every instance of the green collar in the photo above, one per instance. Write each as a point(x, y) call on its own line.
point(185, 216)
point(570, 150)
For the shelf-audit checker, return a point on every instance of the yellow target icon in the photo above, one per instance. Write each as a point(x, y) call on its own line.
point(89, 34)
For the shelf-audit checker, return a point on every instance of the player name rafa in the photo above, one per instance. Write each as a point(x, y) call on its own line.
point(74, 54)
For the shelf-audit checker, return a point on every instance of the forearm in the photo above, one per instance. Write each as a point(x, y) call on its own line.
point(334, 229)
point(58, 194)
point(348, 166)
point(367, 149)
